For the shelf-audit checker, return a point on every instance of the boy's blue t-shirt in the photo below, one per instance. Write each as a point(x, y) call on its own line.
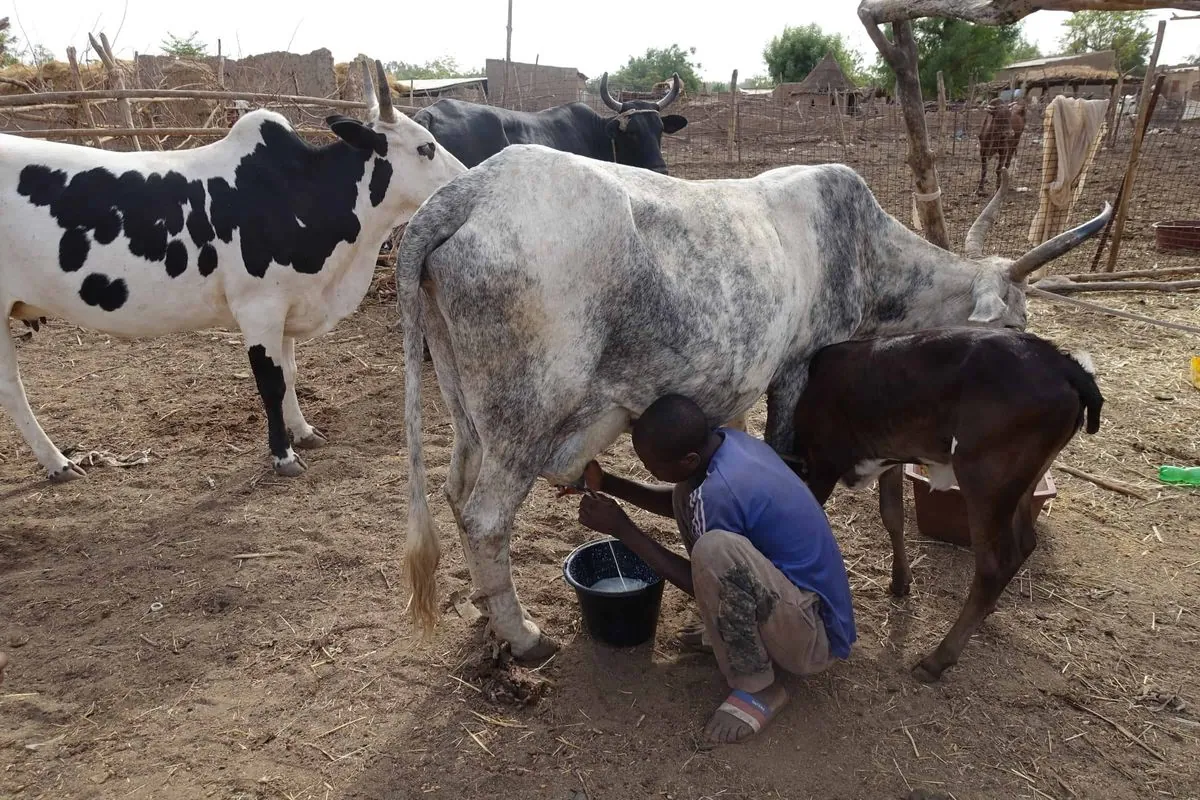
point(750, 491)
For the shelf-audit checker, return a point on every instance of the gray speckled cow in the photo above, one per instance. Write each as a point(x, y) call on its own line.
point(561, 295)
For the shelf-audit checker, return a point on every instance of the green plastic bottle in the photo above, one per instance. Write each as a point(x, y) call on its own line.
point(1188, 476)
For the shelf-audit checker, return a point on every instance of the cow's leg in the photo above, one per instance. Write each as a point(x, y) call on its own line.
point(12, 397)
point(304, 436)
point(982, 175)
point(782, 397)
point(891, 509)
point(738, 423)
point(487, 517)
point(998, 555)
point(262, 329)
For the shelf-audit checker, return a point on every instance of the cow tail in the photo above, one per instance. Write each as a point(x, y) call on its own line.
point(1081, 374)
point(425, 232)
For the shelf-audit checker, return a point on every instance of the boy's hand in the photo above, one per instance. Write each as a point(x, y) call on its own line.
point(593, 479)
point(603, 515)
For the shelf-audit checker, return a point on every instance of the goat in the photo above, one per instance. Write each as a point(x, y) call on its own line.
point(998, 136)
point(987, 409)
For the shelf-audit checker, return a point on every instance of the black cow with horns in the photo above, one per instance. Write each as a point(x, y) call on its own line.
point(473, 133)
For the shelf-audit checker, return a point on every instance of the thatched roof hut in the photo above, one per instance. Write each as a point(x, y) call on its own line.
point(820, 87)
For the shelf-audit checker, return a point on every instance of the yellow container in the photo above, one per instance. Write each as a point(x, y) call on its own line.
point(1196, 371)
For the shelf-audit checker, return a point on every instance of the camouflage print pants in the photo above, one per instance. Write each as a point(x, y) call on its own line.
point(753, 615)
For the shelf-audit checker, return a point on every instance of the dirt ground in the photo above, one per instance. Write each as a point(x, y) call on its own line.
point(292, 672)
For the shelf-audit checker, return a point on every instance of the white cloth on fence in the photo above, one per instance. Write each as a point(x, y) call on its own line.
point(1073, 130)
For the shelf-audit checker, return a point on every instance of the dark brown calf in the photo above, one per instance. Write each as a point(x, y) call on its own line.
point(1003, 124)
point(988, 409)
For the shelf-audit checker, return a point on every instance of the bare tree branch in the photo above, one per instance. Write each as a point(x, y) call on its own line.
point(1002, 12)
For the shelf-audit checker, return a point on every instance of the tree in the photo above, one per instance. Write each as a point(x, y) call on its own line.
point(1125, 32)
point(640, 73)
point(443, 67)
point(791, 55)
point(8, 43)
point(184, 48)
point(759, 82)
point(959, 50)
point(1194, 59)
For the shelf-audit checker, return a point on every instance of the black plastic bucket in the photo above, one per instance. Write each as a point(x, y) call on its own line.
point(620, 619)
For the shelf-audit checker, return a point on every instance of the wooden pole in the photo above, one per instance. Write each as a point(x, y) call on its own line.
point(220, 66)
point(507, 56)
point(1158, 84)
point(116, 79)
point(901, 56)
point(84, 105)
point(21, 100)
point(941, 84)
point(1114, 117)
point(1134, 151)
point(733, 113)
point(109, 133)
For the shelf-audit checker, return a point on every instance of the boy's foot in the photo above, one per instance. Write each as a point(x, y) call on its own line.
point(744, 714)
point(694, 637)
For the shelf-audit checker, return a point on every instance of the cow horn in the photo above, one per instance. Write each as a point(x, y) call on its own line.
point(369, 96)
point(1046, 252)
point(386, 112)
point(676, 86)
point(606, 97)
point(973, 247)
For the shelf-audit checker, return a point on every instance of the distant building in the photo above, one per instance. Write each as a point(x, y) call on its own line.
point(533, 87)
point(1083, 75)
point(1182, 83)
point(820, 88)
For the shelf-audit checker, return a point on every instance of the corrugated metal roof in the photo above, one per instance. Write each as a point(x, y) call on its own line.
point(1041, 62)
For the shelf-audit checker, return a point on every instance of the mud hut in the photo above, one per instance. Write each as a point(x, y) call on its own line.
point(820, 88)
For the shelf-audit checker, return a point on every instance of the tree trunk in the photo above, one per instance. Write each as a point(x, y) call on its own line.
point(1003, 12)
point(901, 55)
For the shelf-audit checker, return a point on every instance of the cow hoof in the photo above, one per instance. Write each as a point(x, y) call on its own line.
point(291, 469)
point(900, 588)
point(543, 649)
point(314, 441)
point(68, 473)
point(927, 672)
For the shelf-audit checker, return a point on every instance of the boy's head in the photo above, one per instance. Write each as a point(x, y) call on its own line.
point(670, 436)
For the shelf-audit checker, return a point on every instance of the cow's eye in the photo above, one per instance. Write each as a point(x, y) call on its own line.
point(427, 150)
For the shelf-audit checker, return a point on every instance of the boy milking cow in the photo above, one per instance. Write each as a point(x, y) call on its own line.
point(764, 567)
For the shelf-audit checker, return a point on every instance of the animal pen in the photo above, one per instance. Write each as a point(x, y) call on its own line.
point(184, 624)
point(188, 103)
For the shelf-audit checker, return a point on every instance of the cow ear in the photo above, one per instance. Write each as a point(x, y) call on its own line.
point(358, 135)
point(673, 123)
point(989, 307)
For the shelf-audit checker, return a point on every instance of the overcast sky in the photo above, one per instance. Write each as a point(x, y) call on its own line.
point(593, 37)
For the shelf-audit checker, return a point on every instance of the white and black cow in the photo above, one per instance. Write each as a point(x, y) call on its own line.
point(474, 132)
point(555, 317)
point(258, 230)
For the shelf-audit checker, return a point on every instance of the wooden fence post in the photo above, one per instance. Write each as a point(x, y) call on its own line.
point(84, 105)
point(1114, 117)
point(941, 84)
point(116, 78)
point(733, 116)
point(1135, 149)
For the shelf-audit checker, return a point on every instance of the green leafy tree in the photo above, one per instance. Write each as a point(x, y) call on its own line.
point(1194, 59)
point(959, 49)
point(1126, 32)
point(640, 73)
point(443, 67)
point(184, 48)
point(791, 55)
point(759, 82)
point(8, 44)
